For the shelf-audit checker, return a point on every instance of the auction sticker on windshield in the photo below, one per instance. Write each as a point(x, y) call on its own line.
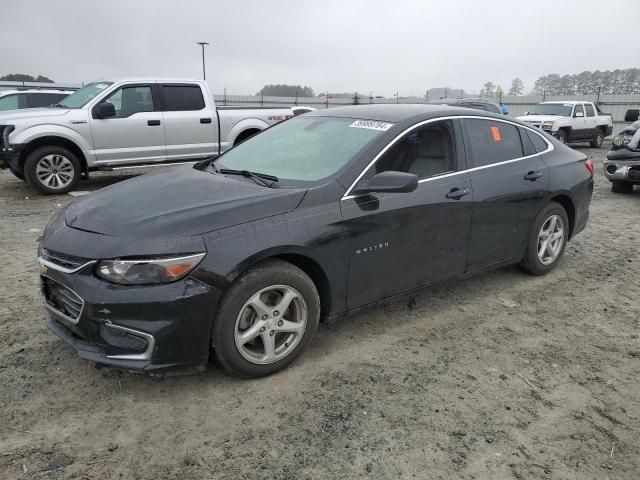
point(372, 125)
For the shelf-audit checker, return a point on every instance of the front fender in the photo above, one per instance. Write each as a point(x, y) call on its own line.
point(36, 132)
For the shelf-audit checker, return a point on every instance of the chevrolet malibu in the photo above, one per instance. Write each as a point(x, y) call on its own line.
point(315, 217)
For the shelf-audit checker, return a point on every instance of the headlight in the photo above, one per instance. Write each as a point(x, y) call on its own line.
point(145, 271)
point(620, 140)
point(547, 125)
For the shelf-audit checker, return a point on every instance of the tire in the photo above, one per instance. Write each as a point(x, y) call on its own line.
point(533, 262)
point(63, 167)
point(621, 187)
point(562, 136)
point(18, 174)
point(237, 315)
point(597, 140)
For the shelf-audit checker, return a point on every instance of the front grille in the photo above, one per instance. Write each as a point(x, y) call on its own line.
point(61, 298)
point(65, 261)
point(123, 339)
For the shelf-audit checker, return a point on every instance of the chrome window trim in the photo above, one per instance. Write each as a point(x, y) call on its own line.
point(146, 355)
point(55, 266)
point(347, 195)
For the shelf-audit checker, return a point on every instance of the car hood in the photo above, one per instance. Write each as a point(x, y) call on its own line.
point(539, 118)
point(27, 113)
point(178, 202)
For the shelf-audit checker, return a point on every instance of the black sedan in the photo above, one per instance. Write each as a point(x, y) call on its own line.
point(315, 217)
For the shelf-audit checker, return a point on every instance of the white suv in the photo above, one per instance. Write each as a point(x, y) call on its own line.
point(30, 98)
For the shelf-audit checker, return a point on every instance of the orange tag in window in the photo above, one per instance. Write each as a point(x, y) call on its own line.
point(495, 132)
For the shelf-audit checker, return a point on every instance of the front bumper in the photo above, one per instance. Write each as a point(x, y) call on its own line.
point(10, 157)
point(150, 327)
point(623, 165)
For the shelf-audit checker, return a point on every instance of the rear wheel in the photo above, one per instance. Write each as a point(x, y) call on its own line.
point(547, 240)
point(597, 140)
point(52, 170)
point(621, 187)
point(265, 319)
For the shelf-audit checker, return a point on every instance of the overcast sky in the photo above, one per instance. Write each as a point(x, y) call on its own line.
point(344, 45)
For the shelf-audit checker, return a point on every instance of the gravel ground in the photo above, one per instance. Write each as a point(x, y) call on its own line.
point(501, 376)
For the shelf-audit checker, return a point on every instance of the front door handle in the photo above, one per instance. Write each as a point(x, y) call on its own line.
point(153, 123)
point(457, 193)
point(205, 120)
point(533, 176)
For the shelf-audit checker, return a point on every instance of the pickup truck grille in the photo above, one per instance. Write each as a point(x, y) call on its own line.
point(61, 298)
point(64, 261)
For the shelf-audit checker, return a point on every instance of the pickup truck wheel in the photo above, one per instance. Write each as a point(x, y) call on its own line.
point(562, 136)
point(597, 140)
point(52, 170)
point(621, 187)
point(265, 319)
point(547, 240)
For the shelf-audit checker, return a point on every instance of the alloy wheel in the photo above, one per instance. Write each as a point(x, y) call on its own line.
point(550, 240)
point(271, 324)
point(55, 171)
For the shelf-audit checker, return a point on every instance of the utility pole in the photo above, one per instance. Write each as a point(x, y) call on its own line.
point(204, 70)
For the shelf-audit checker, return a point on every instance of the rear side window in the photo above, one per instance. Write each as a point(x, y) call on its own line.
point(492, 142)
point(538, 143)
point(589, 109)
point(181, 98)
point(45, 99)
point(13, 102)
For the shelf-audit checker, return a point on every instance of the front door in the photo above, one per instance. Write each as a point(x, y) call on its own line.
point(135, 134)
point(400, 241)
point(509, 189)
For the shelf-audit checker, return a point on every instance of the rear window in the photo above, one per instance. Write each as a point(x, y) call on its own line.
point(492, 142)
point(538, 143)
point(181, 98)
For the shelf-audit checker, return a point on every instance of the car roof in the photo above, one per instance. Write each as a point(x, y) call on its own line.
point(34, 90)
point(395, 113)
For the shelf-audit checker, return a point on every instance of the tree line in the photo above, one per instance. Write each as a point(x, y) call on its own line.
point(284, 90)
point(22, 77)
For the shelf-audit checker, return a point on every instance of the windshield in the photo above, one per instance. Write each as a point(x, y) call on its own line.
point(81, 97)
point(303, 148)
point(560, 109)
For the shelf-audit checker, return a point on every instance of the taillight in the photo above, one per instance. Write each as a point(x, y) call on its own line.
point(589, 166)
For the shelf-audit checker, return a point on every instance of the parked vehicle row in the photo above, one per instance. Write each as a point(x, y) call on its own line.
point(246, 253)
point(126, 123)
point(31, 98)
point(622, 166)
point(571, 121)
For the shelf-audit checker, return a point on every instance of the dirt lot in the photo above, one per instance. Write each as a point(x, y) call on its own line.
point(500, 376)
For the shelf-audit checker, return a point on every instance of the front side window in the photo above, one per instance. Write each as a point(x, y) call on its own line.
point(425, 152)
point(579, 109)
point(12, 102)
point(589, 109)
point(130, 100)
point(492, 142)
point(80, 98)
point(303, 148)
point(182, 98)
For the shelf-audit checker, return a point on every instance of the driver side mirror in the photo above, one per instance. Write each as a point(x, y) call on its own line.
point(389, 181)
point(104, 110)
point(578, 114)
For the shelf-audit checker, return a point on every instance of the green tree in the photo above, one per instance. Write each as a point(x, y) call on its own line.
point(22, 77)
point(489, 89)
point(285, 90)
point(517, 87)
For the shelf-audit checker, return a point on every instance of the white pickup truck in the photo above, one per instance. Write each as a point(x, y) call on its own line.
point(571, 121)
point(122, 124)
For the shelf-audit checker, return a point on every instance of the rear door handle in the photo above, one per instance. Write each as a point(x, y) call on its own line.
point(153, 123)
point(533, 176)
point(457, 193)
point(205, 120)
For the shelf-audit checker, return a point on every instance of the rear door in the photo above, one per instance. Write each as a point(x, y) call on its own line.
point(190, 121)
point(136, 133)
point(400, 241)
point(509, 188)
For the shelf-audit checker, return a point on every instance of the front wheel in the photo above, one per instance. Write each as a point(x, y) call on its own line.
point(52, 170)
point(597, 140)
point(562, 136)
point(265, 319)
point(547, 240)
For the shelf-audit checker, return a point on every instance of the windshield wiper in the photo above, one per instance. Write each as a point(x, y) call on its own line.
point(58, 105)
point(257, 177)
